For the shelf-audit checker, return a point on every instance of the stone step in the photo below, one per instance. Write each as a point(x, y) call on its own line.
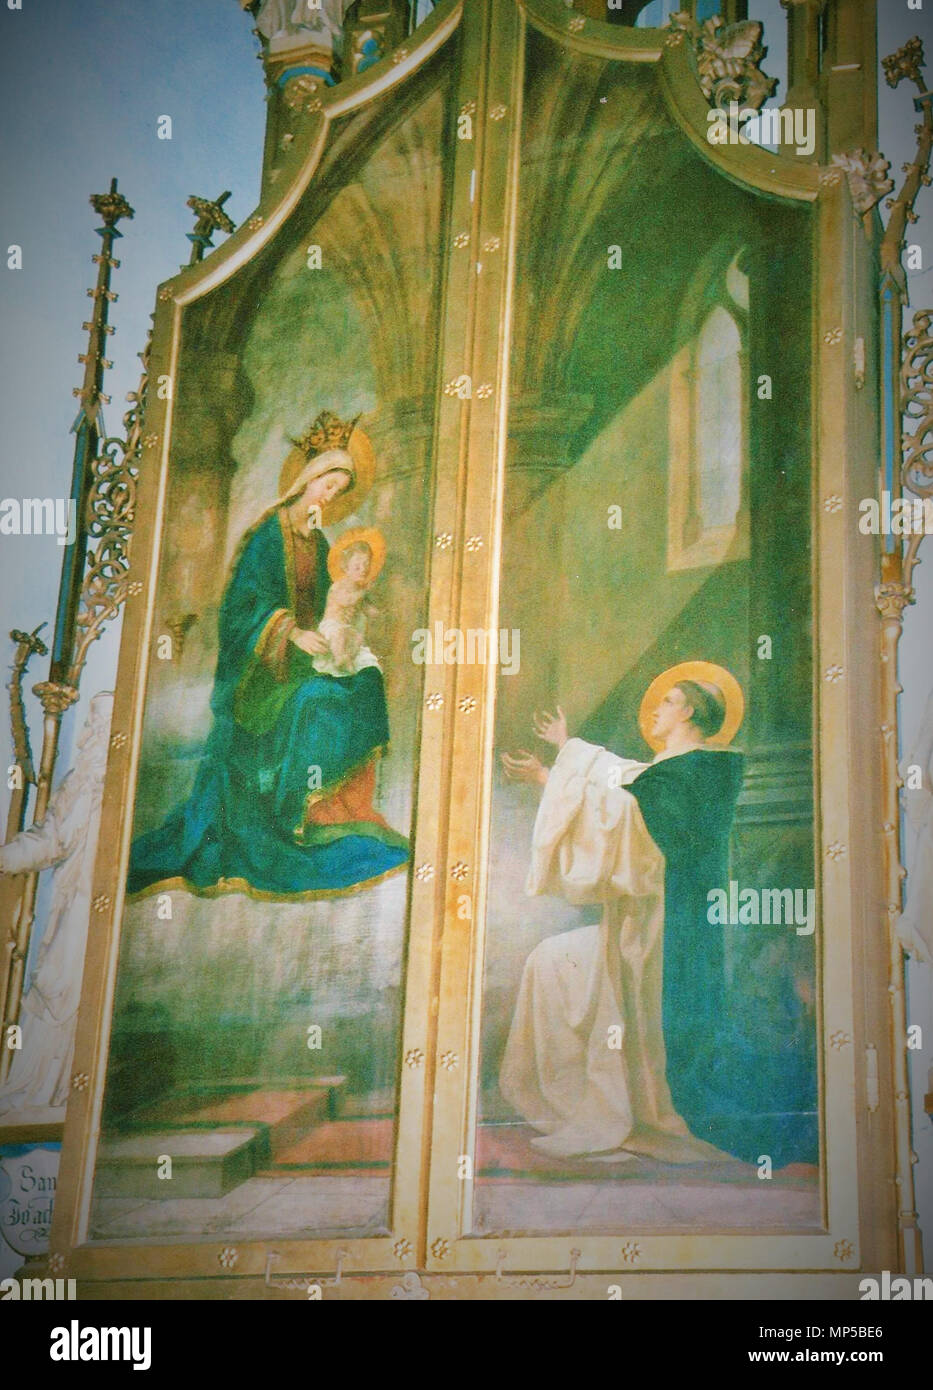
point(205, 1162)
point(282, 1112)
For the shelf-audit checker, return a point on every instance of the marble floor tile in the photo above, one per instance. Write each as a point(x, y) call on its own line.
point(108, 1209)
point(501, 1207)
point(318, 1206)
point(744, 1206)
point(184, 1215)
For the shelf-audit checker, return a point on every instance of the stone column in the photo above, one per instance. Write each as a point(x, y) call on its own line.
point(803, 65)
point(850, 75)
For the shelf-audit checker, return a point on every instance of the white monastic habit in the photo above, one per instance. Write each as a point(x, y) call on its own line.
point(559, 1071)
point(66, 841)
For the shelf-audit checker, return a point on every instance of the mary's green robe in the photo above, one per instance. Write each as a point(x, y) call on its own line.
point(281, 731)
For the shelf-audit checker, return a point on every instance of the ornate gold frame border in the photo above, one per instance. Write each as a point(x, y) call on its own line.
point(857, 1215)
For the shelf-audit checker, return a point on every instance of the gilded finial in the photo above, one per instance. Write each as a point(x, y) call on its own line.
point(906, 62)
point(111, 207)
point(211, 218)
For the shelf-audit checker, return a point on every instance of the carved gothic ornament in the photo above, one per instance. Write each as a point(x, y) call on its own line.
point(867, 175)
point(917, 401)
point(111, 507)
point(907, 62)
point(728, 58)
point(55, 697)
point(892, 598)
point(112, 207)
point(302, 93)
point(28, 644)
point(210, 211)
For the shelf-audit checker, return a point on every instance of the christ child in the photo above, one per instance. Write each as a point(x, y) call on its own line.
point(354, 563)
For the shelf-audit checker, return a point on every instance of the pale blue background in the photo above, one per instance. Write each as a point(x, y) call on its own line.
point(83, 85)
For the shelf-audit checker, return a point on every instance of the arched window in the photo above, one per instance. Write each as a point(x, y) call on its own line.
point(707, 489)
point(717, 408)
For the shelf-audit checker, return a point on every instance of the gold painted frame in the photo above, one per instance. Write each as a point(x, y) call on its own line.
point(858, 1227)
point(97, 1260)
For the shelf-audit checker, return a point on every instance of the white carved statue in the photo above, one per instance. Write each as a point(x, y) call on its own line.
point(67, 842)
point(318, 19)
point(915, 926)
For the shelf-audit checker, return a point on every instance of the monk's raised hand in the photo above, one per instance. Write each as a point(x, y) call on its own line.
point(524, 767)
point(552, 728)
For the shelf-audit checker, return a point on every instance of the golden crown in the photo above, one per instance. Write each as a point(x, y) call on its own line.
point(327, 432)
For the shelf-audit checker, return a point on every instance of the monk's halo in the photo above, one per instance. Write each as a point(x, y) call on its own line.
point(694, 671)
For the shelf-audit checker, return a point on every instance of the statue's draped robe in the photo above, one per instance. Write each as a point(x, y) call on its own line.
point(314, 19)
point(282, 801)
point(915, 925)
point(648, 842)
point(40, 1074)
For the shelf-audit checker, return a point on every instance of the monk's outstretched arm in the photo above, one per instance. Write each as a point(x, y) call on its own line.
point(589, 839)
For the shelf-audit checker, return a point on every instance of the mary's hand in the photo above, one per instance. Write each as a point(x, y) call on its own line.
point(524, 767)
point(552, 728)
point(311, 642)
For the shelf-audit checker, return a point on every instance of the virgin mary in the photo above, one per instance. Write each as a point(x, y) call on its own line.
point(282, 800)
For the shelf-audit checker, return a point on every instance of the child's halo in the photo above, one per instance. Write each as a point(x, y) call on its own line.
point(373, 538)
